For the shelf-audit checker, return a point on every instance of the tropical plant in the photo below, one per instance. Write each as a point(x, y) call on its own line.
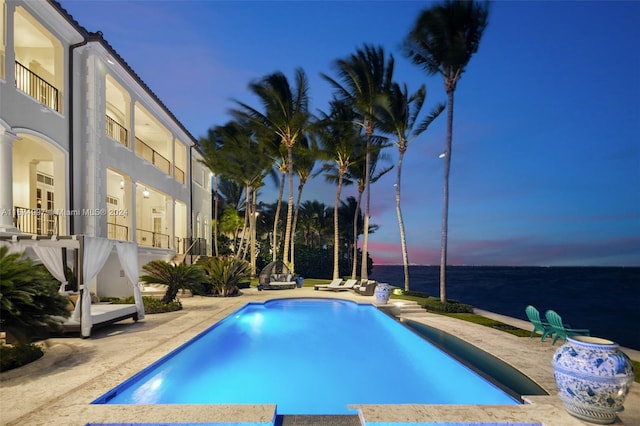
point(357, 172)
point(175, 277)
point(338, 138)
point(399, 118)
point(286, 115)
point(225, 273)
point(365, 79)
point(29, 298)
point(442, 41)
point(305, 156)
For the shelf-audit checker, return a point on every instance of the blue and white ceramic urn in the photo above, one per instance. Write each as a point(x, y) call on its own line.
point(382, 293)
point(593, 377)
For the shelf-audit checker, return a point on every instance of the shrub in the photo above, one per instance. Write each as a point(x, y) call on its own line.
point(175, 277)
point(225, 273)
point(18, 355)
point(28, 297)
point(151, 304)
point(451, 306)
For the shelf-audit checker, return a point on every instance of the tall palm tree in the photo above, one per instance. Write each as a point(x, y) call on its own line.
point(361, 174)
point(400, 119)
point(305, 156)
point(365, 78)
point(210, 147)
point(338, 137)
point(442, 41)
point(286, 115)
point(248, 163)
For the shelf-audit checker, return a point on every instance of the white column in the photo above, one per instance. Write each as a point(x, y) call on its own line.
point(6, 181)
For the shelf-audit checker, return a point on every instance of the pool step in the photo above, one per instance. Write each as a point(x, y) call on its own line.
point(318, 420)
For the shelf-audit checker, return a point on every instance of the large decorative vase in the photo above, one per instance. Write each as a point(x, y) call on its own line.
point(593, 377)
point(382, 293)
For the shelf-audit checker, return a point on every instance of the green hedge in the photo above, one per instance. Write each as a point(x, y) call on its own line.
point(18, 355)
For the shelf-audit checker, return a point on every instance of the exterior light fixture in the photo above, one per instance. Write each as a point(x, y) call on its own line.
point(121, 184)
point(444, 154)
point(145, 193)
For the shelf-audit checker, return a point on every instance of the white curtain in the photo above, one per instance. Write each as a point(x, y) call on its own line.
point(128, 255)
point(96, 253)
point(51, 258)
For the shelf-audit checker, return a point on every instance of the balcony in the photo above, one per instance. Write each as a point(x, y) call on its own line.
point(117, 232)
point(36, 221)
point(116, 131)
point(34, 86)
point(152, 156)
point(152, 239)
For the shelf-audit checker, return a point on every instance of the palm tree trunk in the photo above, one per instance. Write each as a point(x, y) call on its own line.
point(403, 239)
point(252, 221)
point(355, 236)
point(242, 249)
point(276, 218)
point(364, 274)
point(215, 215)
point(294, 226)
point(336, 234)
point(287, 231)
point(445, 200)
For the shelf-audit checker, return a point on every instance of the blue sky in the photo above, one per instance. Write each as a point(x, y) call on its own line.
point(546, 142)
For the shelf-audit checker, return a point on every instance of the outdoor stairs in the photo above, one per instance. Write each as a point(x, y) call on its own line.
point(400, 307)
point(318, 420)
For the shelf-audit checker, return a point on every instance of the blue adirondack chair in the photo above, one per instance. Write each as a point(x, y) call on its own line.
point(538, 325)
point(562, 331)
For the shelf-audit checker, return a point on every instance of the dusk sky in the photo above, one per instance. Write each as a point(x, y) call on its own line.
point(546, 141)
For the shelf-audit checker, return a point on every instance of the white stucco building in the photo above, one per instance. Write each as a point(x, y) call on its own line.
point(86, 148)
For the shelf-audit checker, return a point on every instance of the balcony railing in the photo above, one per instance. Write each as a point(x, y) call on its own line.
point(36, 221)
point(152, 239)
point(152, 156)
point(34, 86)
point(116, 131)
point(198, 246)
point(179, 173)
point(117, 232)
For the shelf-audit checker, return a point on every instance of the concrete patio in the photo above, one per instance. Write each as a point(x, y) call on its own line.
point(58, 388)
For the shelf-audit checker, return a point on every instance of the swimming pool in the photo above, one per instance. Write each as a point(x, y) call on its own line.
point(308, 356)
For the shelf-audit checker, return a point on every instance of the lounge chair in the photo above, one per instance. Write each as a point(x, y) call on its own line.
point(349, 284)
point(538, 325)
point(366, 288)
point(562, 331)
point(332, 285)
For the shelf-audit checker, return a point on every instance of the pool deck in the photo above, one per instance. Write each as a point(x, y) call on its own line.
point(58, 388)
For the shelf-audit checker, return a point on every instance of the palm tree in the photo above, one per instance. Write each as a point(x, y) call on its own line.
point(366, 77)
point(286, 115)
point(442, 41)
point(305, 156)
point(175, 277)
point(358, 172)
point(29, 297)
point(339, 138)
point(248, 163)
point(210, 147)
point(400, 119)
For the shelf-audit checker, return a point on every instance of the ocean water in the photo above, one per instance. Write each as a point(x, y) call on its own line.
point(605, 300)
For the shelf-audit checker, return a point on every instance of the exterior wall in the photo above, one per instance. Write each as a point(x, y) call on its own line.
point(93, 146)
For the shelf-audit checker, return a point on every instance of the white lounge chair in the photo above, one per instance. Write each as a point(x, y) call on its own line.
point(332, 285)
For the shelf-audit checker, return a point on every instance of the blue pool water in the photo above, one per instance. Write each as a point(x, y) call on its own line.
point(308, 356)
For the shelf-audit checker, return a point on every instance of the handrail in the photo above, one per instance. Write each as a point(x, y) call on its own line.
point(35, 86)
point(36, 221)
